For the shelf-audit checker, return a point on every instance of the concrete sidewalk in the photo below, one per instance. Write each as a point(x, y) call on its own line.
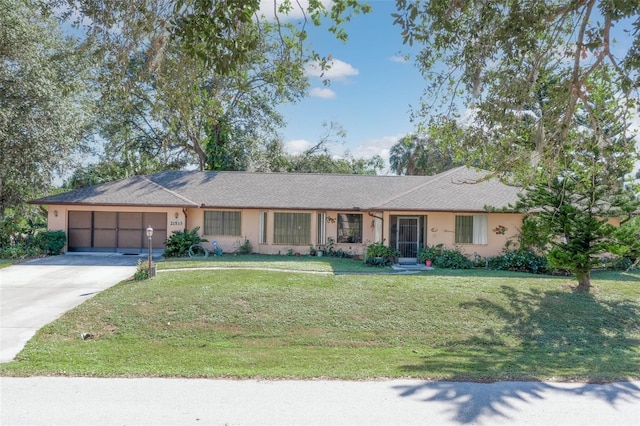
point(90, 401)
point(34, 293)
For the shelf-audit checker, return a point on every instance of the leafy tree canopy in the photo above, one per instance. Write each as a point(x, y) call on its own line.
point(420, 155)
point(573, 202)
point(44, 105)
point(516, 72)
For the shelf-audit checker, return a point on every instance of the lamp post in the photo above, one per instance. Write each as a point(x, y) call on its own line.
point(149, 235)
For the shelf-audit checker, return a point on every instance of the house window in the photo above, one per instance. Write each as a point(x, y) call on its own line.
point(263, 228)
point(292, 228)
point(471, 229)
point(222, 223)
point(321, 231)
point(349, 228)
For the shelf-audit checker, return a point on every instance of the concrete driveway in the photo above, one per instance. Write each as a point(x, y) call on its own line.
point(37, 292)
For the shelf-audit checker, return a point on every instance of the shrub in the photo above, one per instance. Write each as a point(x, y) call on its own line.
point(379, 255)
point(445, 258)
point(50, 242)
point(521, 260)
point(177, 245)
point(244, 247)
point(142, 271)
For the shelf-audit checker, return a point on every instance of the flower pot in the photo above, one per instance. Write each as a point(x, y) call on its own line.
point(427, 263)
point(319, 253)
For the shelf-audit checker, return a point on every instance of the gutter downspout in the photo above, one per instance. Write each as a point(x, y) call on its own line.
point(381, 220)
point(186, 217)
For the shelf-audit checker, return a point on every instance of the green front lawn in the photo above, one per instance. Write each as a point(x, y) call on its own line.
point(454, 325)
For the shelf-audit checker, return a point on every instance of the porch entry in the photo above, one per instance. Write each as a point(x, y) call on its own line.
point(407, 236)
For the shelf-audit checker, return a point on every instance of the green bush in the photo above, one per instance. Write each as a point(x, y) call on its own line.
point(445, 258)
point(177, 245)
point(142, 271)
point(50, 242)
point(379, 255)
point(521, 261)
point(245, 247)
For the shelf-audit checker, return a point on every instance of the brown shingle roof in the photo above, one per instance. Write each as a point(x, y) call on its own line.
point(454, 190)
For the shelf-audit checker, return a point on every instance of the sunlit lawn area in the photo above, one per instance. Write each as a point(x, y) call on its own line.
point(455, 325)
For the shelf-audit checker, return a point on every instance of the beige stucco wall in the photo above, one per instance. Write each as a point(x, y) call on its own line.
point(439, 228)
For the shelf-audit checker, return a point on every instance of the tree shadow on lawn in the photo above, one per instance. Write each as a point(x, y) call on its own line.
point(546, 334)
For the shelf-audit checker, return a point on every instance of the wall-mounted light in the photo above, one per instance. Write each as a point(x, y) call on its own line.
point(55, 213)
point(175, 215)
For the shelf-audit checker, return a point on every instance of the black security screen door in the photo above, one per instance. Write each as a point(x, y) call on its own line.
point(407, 242)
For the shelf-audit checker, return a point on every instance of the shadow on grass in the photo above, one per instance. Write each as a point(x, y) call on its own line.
point(546, 335)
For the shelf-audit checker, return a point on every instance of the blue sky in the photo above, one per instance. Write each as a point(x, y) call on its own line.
point(371, 91)
point(372, 88)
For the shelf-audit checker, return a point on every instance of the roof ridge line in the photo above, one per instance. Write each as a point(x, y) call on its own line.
point(432, 179)
point(164, 188)
point(402, 194)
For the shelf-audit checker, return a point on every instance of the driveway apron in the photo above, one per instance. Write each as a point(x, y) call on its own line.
point(37, 292)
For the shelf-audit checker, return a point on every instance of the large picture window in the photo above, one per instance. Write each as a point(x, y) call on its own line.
point(222, 223)
point(471, 229)
point(349, 228)
point(292, 229)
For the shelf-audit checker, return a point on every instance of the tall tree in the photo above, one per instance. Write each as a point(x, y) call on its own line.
point(488, 63)
point(574, 200)
point(199, 81)
point(419, 154)
point(43, 108)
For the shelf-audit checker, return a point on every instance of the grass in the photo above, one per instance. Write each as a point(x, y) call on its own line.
point(454, 325)
point(6, 263)
point(285, 263)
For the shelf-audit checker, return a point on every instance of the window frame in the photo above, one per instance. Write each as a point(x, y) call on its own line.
point(281, 226)
point(477, 230)
point(231, 223)
point(351, 237)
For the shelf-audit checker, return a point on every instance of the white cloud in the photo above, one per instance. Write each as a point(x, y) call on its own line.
point(380, 146)
point(297, 146)
point(399, 59)
point(266, 8)
point(338, 71)
point(324, 93)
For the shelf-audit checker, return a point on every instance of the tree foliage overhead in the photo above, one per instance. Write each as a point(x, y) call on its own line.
point(43, 108)
point(520, 70)
point(420, 155)
point(198, 81)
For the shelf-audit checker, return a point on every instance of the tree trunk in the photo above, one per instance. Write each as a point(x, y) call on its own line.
point(584, 281)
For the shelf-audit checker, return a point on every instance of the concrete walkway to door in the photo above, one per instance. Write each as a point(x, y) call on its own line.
point(34, 293)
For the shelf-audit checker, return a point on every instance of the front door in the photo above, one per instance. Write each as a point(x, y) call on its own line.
point(407, 239)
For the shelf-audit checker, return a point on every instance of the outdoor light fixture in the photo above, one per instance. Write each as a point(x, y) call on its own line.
point(149, 235)
point(55, 213)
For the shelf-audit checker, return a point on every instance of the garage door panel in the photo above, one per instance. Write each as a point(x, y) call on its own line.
point(129, 238)
point(104, 220)
point(159, 238)
point(79, 219)
point(104, 238)
point(128, 220)
point(155, 220)
point(79, 238)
